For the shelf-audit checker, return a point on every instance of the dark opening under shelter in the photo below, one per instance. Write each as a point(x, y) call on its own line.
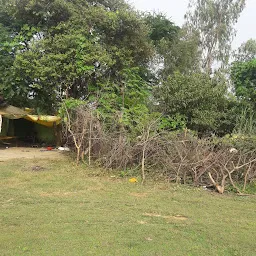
point(16, 123)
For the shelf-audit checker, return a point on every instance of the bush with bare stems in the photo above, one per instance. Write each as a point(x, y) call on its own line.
point(83, 132)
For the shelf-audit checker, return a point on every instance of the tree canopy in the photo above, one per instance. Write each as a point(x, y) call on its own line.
point(124, 63)
point(66, 49)
point(243, 75)
point(214, 20)
point(246, 52)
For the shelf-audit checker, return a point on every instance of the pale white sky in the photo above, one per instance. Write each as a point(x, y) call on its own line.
point(175, 9)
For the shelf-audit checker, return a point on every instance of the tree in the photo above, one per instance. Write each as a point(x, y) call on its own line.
point(182, 55)
point(214, 20)
point(113, 5)
point(246, 52)
point(196, 97)
point(243, 75)
point(6, 59)
point(161, 28)
point(176, 48)
point(40, 13)
point(70, 55)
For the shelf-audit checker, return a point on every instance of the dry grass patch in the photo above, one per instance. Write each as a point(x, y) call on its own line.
point(177, 217)
point(58, 194)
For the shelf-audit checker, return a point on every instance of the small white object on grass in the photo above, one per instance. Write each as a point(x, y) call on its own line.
point(64, 149)
point(233, 150)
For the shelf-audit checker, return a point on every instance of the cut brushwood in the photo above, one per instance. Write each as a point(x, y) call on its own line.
point(219, 188)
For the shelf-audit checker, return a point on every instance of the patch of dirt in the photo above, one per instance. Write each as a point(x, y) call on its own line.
point(37, 168)
point(140, 195)
point(57, 194)
point(28, 153)
point(177, 217)
point(142, 222)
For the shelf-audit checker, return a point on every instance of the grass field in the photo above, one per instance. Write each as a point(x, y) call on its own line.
point(65, 210)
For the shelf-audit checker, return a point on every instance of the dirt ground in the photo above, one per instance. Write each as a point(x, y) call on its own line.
point(28, 153)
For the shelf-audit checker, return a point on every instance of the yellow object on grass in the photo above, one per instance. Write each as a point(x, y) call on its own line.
point(133, 180)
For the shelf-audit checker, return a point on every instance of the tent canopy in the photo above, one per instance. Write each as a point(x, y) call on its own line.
point(12, 112)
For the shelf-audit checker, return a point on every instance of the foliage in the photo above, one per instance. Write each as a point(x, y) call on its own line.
point(40, 13)
point(246, 122)
point(69, 55)
point(182, 55)
point(70, 104)
point(239, 141)
point(161, 28)
point(246, 52)
point(243, 75)
point(196, 97)
point(176, 48)
point(6, 59)
point(128, 68)
point(214, 20)
point(180, 156)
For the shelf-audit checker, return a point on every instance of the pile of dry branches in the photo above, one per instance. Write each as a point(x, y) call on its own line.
point(177, 157)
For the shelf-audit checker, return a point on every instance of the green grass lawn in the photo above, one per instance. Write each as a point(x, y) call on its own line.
point(68, 210)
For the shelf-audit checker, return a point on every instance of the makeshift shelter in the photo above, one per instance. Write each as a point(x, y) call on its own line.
point(18, 123)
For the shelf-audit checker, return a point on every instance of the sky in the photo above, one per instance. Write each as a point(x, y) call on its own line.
point(175, 9)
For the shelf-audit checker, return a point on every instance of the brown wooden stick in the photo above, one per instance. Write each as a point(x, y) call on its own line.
point(219, 188)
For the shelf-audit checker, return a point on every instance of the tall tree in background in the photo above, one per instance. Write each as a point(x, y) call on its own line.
point(181, 55)
point(246, 52)
point(176, 48)
point(214, 20)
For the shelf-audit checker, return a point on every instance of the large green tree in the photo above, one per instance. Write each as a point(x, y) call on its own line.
point(197, 98)
point(69, 48)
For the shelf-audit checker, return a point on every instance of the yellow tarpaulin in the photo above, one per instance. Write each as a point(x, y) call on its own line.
point(48, 121)
point(12, 112)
